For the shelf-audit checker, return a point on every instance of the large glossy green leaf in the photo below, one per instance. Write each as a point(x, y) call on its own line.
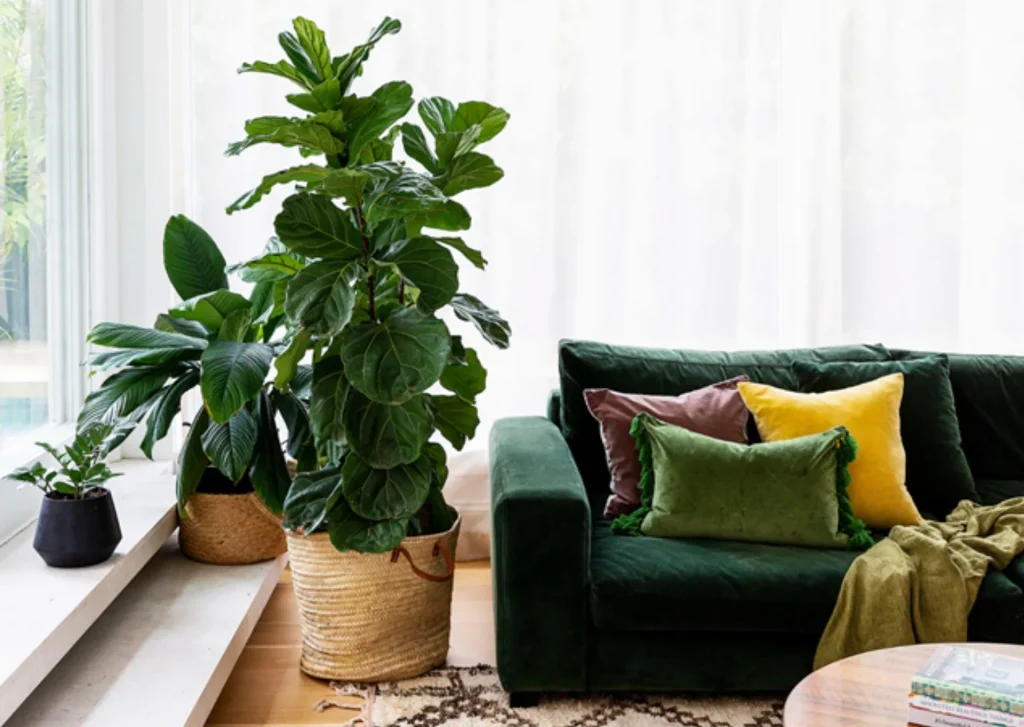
point(269, 473)
point(466, 378)
point(315, 46)
point(321, 297)
point(348, 66)
point(230, 444)
point(192, 462)
point(393, 360)
point(309, 173)
point(437, 114)
point(322, 97)
point(297, 55)
point(121, 394)
point(311, 224)
point(300, 433)
point(292, 132)
point(447, 216)
point(346, 183)
point(470, 171)
point(282, 68)
point(452, 144)
point(408, 194)
point(385, 494)
point(384, 435)
point(236, 325)
point(392, 101)
point(305, 507)
point(165, 408)
point(193, 262)
point(287, 362)
point(439, 462)
point(121, 335)
point(425, 264)
point(327, 400)
point(232, 375)
point(415, 144)
point(269, 267)
point(488, 321)
point(348, 531)
point(210, 309)
point(456, 419)
point(381, 149)
point(457, 243)
point(140, 357)
point(167, 324)
point(490, 119)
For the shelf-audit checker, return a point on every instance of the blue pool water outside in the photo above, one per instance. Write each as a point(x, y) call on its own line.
point(21, 413)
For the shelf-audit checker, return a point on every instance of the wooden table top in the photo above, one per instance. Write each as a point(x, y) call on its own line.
point(868, 690)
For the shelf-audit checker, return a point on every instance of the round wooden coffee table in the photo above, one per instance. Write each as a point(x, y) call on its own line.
point(868, 689)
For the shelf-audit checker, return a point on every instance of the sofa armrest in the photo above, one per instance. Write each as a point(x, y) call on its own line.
point(540, 557)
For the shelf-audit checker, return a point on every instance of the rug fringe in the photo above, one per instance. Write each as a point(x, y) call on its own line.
point(367, 693)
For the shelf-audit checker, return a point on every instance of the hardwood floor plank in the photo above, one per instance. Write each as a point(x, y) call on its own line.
point(267, 688)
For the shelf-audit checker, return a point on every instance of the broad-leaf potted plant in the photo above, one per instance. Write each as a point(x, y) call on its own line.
point(232, 475)
point(368, 252)
point(77, 523)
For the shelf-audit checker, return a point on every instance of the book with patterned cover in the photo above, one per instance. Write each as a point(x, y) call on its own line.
point(969, 676)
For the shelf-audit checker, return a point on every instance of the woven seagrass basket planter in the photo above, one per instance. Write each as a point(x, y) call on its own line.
point(230, 529)
point(374, 617)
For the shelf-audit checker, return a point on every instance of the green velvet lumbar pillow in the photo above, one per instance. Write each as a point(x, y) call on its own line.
point(790, 492)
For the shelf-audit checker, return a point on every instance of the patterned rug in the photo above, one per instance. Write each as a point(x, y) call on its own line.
point(472, 697)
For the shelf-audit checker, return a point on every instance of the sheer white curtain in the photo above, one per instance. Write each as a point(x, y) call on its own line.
point(684, 173)
point(691, 174)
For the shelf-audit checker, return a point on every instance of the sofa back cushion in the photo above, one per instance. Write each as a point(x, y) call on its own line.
point(989, 395)
point(588, 365)
point(938, 475)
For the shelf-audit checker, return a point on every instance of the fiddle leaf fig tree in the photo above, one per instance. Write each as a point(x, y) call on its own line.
point(366, 247)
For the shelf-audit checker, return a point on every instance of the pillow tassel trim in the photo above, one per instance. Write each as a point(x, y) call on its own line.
point(854, 529)
point(629, 523)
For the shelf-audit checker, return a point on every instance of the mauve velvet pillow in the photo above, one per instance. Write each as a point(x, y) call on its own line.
point(716, 411)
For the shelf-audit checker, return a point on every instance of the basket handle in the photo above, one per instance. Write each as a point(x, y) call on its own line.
point(438, 549)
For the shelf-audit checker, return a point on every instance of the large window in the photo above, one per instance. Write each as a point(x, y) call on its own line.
point(24, 359)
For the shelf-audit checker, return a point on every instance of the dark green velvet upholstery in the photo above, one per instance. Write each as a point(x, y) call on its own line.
point(989, 395)
point(713, 585)
point(540, 557)
point(586, 365)
point(938, 476)
point(577, 608)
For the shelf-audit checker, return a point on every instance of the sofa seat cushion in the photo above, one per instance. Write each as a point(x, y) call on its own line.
point(663, 584)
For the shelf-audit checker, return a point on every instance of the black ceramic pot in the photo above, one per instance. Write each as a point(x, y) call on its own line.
point(77, 533)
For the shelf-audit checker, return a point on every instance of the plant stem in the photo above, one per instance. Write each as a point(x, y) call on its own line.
point(366, 255)
point(401, 292)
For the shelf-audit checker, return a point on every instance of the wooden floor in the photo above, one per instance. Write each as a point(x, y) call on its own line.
point(267, 688)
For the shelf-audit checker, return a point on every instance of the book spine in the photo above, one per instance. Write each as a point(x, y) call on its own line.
point(924, 718)
point(965, 695)
point(967, 711)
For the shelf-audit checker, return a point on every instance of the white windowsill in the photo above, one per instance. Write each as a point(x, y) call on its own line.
point(54, 607)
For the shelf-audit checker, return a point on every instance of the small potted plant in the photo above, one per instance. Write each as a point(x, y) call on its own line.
point(77, 523)
point(232, 473)
point(367, 275)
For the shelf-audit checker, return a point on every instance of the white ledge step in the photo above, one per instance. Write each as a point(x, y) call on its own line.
point(162, 652)
point(44, 611)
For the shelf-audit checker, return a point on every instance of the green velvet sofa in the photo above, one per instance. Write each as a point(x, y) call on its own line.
point(577, 608)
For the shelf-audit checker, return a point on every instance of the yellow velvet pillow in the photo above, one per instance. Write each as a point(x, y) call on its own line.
point(871, 413)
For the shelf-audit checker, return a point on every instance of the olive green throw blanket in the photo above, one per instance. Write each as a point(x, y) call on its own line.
point(919, 584)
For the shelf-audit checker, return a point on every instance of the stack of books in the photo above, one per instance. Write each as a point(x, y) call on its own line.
point(961, 687)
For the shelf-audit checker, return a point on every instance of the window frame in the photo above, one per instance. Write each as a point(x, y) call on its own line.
point(75, 186)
